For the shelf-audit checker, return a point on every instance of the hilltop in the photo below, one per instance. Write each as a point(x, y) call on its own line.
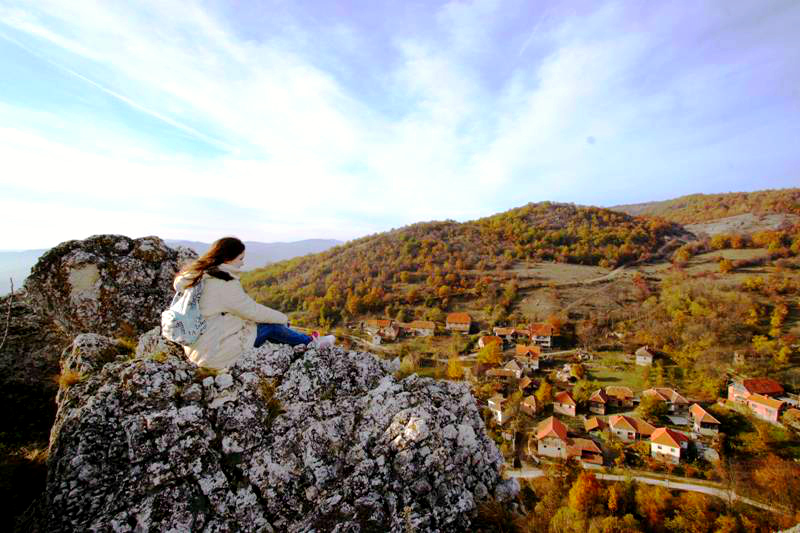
point(437, 263)
point(697, 208)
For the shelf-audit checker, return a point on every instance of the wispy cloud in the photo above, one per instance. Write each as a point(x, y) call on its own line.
point(287, 125)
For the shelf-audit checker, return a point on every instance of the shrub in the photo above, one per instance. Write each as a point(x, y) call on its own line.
point(68, 378)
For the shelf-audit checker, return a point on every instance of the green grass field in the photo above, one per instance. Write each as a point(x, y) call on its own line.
point(612, 369)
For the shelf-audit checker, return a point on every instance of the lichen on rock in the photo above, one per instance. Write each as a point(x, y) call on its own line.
point(106, 284)
point(288, 439)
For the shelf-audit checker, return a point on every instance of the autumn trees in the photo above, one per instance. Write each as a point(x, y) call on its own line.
point(570, 500)
point(431, 263)
point(696, 208)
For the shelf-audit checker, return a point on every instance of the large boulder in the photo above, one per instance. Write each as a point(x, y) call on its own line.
point(285, 440)
point(106, 284)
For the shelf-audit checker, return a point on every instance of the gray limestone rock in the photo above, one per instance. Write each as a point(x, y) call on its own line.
point(285, 440)
point(106, 284)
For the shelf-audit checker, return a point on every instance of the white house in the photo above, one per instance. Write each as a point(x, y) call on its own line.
point(496, 406)
point(666, 445)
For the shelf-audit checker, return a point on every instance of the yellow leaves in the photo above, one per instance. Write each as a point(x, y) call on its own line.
point(753, 283)
point(490, 354)
point(754, 314)
point(777, 318)
point(586, 494)
point(544, 394)
point(455, 370)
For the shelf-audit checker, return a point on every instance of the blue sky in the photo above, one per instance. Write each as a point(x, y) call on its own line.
point(278, 121)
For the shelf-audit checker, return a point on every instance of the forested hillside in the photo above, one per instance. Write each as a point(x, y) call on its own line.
point(435, 261)
point(696, 208)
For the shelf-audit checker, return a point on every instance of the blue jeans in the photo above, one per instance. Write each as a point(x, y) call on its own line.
point(280, 334)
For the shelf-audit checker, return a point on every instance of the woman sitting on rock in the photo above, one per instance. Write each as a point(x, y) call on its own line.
point(234, 321)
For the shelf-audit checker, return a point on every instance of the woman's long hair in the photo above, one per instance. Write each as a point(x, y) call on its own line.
point(221, 251)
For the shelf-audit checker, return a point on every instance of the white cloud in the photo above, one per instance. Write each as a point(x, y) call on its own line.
point(302, 151)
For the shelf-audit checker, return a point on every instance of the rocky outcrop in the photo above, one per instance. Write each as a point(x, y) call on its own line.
point(79, 287)
point(285, 440)
point(106, 284)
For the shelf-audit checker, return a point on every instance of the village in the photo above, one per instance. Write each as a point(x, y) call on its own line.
point(532, 392)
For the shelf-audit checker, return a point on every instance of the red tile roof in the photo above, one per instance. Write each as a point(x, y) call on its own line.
point(599, 396)
point(701, 415)
point(565, 397)
point(594, 423)
point(668, 437)
point(619, 392)
point(459, 318)
point(531, 351)
point(488, 339)
point(422, 324)
point(762, 386)
point(378, 322)
point(542, 329)
point(628, 423)
point(551, 427)
point(765, 400)
point(503, 331)
point(586, 444)
point(665, 395)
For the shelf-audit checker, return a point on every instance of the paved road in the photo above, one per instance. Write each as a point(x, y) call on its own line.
point(532, 473)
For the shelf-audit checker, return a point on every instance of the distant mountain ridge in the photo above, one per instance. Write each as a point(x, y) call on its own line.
point(259, 254)
point(17, 265)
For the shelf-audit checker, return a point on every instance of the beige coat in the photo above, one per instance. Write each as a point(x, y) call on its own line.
point(231, 317)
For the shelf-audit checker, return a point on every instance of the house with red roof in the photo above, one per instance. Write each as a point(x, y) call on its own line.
point(458, 322)
point(542, 334)
point(423, 328)
point(594, 424)
point(764, 407)
point(528, 356)
point(619, 396)
point(381, 329)
point(504, 333)
point(628, 428)
point(740, 390)
point(666, 445)
point(486, 340)
point(585, 451)
point(676, 403)
point(373, 325)
point(551, 438)
point(597, 402)
point(564, 403)
point(703, 422)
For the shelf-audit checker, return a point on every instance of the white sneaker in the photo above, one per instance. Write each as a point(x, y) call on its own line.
point(323, 342)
